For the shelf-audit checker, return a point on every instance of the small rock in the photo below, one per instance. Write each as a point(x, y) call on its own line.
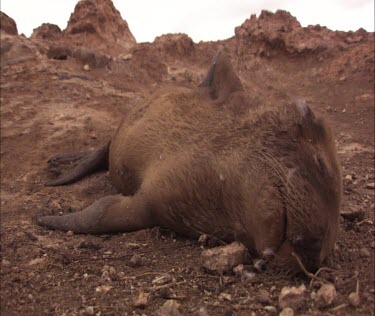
point(349, 178)
point(238, 270)
point(164, 279)
point(112, 273)
point(6, 263)
point(132, 245)
point(326, 295)
point(292, 297)
point(141, 300)
point(223, 259)
point(86, 67)
point(203, 311)
point(105, 276)
point(225, 297)
point(170, 308)
point(271, 309)
point(89, 310)
point(103, 288)
point(370, 186)
point(287, 311)
point(313, 295)
point(344, 110)
point(203, 239)
point(364, 253)
point(136, 261)
point(37, 261)
point(264, 297)
point(353, 214)
point(354, 299)
point(70, 233)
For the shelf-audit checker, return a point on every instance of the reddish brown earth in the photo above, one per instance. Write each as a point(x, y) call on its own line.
point(53, 106)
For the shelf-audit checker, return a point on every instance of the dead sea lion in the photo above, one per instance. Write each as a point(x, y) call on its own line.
point(203, 161)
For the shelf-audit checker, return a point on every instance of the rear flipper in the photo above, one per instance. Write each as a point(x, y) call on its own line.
point(110, 214)
point(84, 164)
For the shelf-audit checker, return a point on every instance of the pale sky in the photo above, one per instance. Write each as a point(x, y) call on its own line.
point(200, 19)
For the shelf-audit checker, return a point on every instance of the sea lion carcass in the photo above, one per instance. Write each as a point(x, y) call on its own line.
point(203, 161)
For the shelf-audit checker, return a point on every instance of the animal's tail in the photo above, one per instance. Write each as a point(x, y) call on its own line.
point(85, 164)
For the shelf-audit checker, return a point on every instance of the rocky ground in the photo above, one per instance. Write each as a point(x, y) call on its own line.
point(59, 97)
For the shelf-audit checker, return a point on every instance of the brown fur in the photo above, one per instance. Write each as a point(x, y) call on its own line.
point(196, 162)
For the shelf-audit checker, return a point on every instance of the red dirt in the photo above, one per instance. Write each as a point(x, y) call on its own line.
point(55, 106)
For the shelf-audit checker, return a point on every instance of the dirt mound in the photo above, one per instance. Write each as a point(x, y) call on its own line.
point(47, 31)
point(97, 24)
point(7, 24)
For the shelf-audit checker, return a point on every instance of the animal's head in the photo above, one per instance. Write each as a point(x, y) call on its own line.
point(298, 150)
point(310, 189)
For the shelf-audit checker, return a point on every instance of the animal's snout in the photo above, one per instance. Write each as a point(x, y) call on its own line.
point(308, 250)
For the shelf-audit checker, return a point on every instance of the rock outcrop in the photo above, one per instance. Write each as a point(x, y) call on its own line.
point(97, 24)
point(47, 31)
point(282, 31)
point(7, 24)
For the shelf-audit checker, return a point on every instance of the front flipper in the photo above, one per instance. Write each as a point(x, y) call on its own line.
point(110, 214)
point(84, 164)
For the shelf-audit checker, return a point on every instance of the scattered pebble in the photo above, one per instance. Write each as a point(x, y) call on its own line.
point(105, 276)
point(326, 295)
point(292, 297)
point(225, 297)
point(271, 309)
point(287, 311)
point(70, 233)
point(370, 186)
point(164, 279)
point(141, 300)
point(223, 259)
point(203, 239)
point(136, 261)
point(203, 311)
point(364, 253)
point(89, 310)
point(86, 67)
point(264, 297)
point(132, 245)
point(37, 261)
point(112, 273)
point(170, 308)
point(354, 299)
point(6, 263)
point(103, 288)
point(238, 270)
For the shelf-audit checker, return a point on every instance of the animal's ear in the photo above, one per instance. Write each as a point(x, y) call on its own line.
point(221, 79)
point(310, 128)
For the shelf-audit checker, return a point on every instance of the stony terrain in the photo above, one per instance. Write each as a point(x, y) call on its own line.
point(63, 92)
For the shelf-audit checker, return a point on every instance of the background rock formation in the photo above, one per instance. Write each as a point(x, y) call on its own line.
point(7, 24)
point(97, 24)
